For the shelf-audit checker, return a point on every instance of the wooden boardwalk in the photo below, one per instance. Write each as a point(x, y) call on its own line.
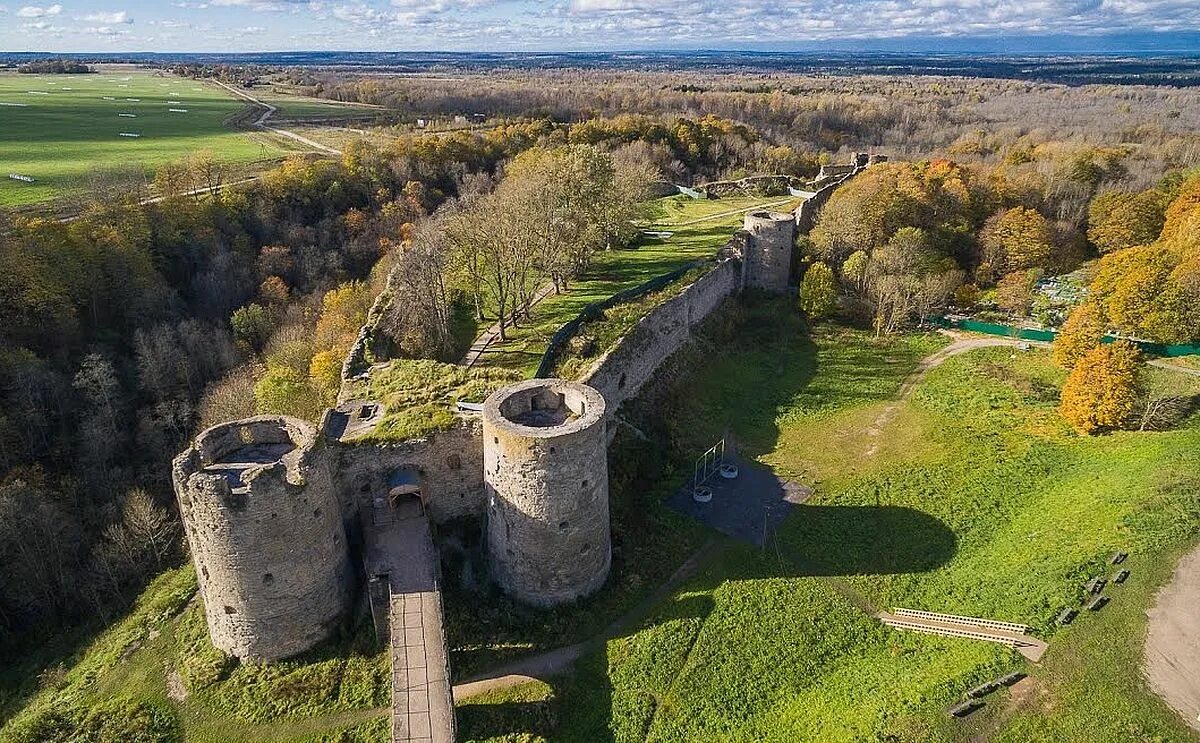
point(401, 547)
point(971, 628)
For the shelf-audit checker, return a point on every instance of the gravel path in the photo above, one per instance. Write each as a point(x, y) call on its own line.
point(268, 112)
point(1172, 655)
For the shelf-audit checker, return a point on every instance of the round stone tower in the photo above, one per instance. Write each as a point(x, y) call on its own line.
point(767, 263)
point(545, 458)
point(266, 535)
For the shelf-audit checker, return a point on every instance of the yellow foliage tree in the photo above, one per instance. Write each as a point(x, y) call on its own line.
point(1101, 393)
point(1017, 239)
point(1083, 331)
point(1119, 220)
point(325, 375)
point(1181, 230)
point(343, 312)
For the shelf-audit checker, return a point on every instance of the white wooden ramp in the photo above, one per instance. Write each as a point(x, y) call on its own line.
point(972, 628)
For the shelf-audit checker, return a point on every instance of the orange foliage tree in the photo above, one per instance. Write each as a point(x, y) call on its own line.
point(1083, 331)
point(1101, 393)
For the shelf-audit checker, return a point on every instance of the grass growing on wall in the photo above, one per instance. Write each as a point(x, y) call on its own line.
point(971, 497)
point(420, 395)
point(617, 270)
point(597, 337)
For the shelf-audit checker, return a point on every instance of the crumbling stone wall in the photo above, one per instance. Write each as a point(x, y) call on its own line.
point(621, 372)
point(806, 213)
point(767, 263)
point(265, 531)
point(546, 473)
point(448, 465)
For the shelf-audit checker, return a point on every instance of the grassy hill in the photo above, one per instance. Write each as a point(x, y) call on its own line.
point(154, 677)
point(970, 497)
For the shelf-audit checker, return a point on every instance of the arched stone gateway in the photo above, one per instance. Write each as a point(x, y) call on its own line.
point(404, 495)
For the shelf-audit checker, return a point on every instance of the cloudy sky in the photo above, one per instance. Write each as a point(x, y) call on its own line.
point(564, 25)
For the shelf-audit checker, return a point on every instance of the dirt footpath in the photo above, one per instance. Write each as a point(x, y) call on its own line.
point(1172, 659)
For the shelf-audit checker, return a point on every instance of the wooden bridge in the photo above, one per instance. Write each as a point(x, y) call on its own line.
point(972, 628)
point(407, 602)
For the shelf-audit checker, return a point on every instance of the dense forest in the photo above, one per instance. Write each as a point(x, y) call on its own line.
point(117, 321)
point(969, 119)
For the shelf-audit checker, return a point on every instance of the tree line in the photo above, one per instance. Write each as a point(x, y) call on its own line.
point(904, 241)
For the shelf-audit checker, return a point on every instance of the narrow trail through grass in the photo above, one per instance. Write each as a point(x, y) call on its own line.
point(978, 500)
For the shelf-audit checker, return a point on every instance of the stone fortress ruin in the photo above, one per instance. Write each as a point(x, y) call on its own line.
point(288, 524)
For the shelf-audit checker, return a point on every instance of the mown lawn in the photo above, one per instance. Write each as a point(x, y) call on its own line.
point(970, 497)
point(614, 271)
point(57, 128)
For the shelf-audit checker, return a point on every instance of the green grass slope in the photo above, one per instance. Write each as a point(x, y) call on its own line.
point(970, 497)
point(154, 677)
point(709, 225)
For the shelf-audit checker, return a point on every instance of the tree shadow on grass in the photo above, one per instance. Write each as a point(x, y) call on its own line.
point(516, 719)
point(868, 540)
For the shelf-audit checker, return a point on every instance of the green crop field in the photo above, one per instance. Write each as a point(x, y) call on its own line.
point(970, 497)
point(56, 128)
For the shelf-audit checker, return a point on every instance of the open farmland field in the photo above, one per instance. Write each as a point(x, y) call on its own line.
point(299, 108)
point(55, 128)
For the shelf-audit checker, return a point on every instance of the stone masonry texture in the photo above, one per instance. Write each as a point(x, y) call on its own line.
point(548, 538)
point(266, 536)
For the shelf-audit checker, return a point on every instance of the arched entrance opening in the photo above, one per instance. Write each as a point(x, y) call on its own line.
point(404, 493)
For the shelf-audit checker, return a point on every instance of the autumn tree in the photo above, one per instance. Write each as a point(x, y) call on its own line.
point(1101, 393)
point(1014, 292)
point(1118, 219)
point(818, 291)
point(417, 314)
point(1015, 240)
point(252, 325)
point(908, 279)
point(1083, 331)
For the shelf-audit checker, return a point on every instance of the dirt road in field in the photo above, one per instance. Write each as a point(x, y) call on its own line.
point(268, 112)
point(1172, 654)
point(960, 345)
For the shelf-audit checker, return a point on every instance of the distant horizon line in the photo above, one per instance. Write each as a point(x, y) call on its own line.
point(1168, 51)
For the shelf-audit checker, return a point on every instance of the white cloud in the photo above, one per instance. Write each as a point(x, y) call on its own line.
point(114, 18)
point(34, 11)
point(261, 5)
point(105, 31)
